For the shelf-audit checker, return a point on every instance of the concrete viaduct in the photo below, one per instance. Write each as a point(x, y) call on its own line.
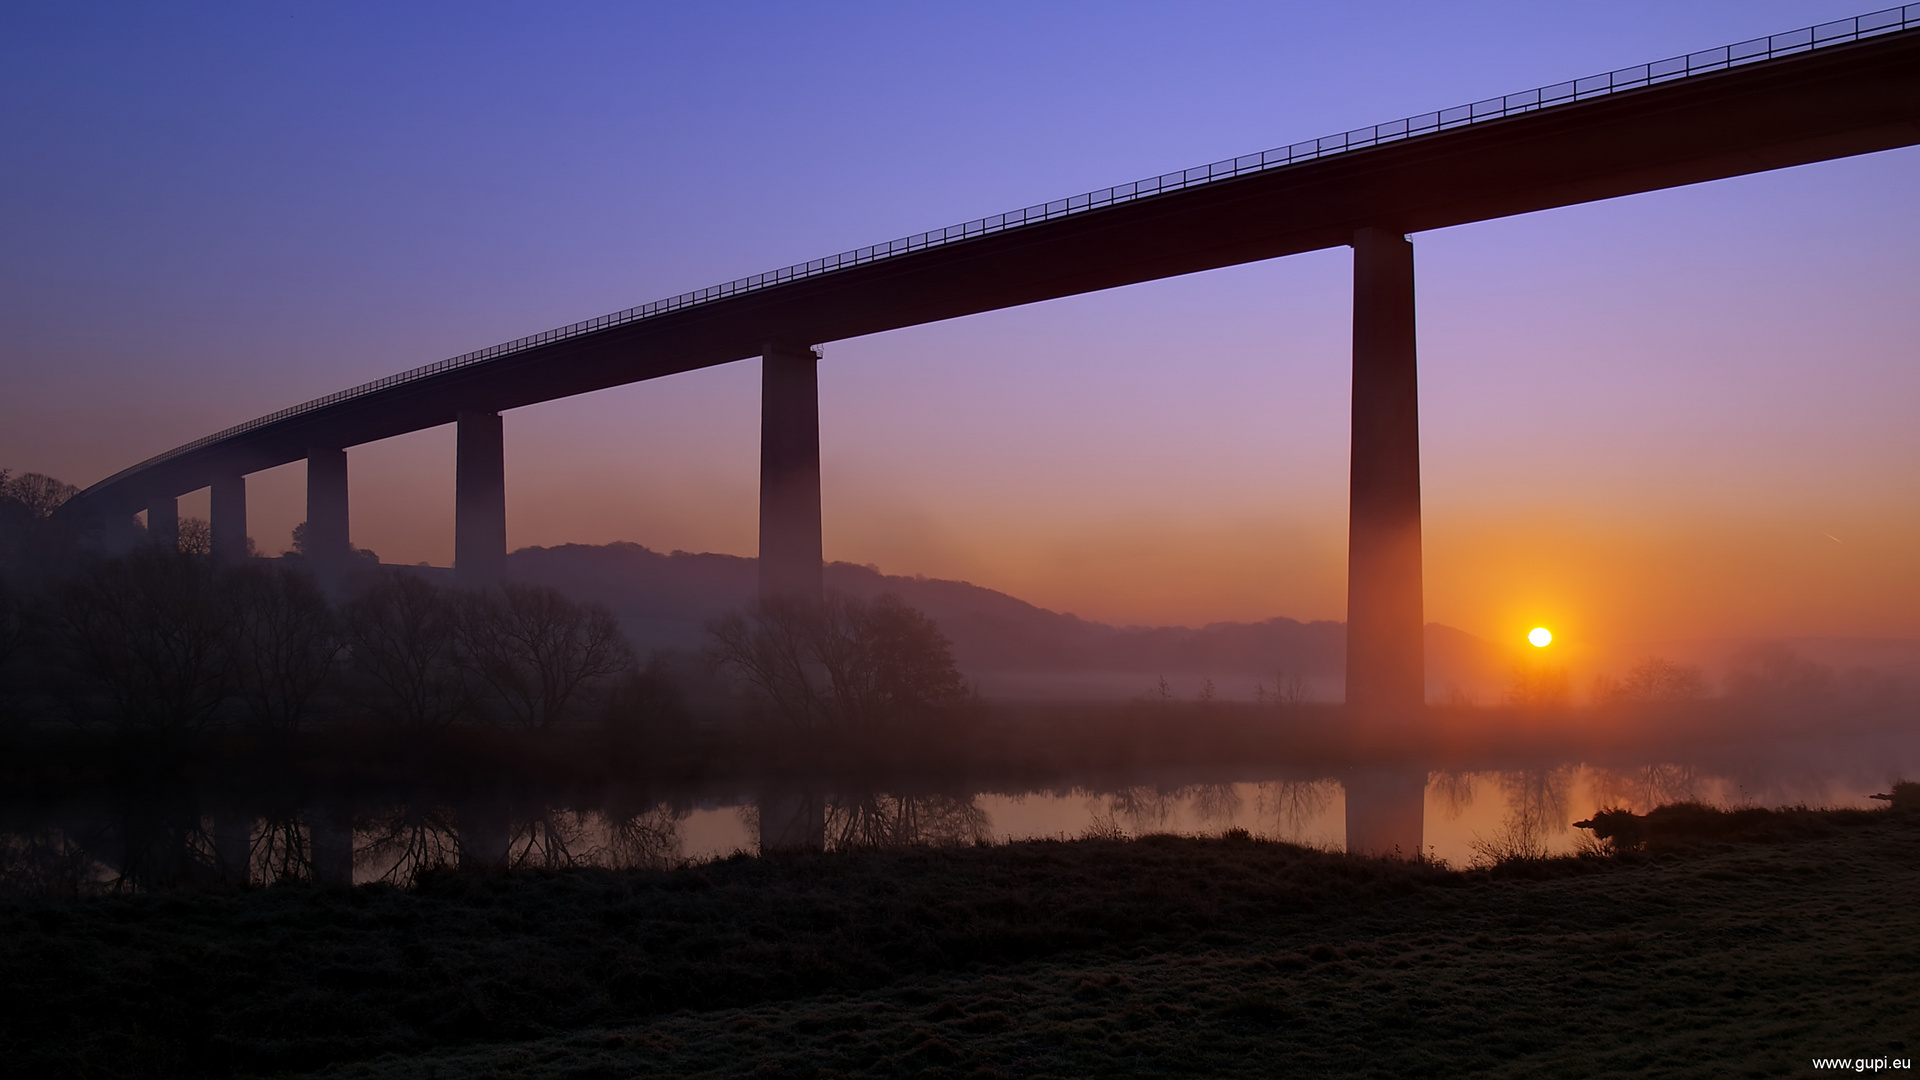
point(1839, 89)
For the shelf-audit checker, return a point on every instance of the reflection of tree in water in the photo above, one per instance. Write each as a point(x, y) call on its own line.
point(411, 838)
point(643, 840)
point(49, 863)
point(1455, 789)
point(878, 819)
point(1536, 809)
point(1541, 794)
point(404, 840)
point(281, 851)
point(553, 838)
point(1292, 805)
point(162, 848)
point(1644, 788)
point(1214, 803)
point(1144, 807)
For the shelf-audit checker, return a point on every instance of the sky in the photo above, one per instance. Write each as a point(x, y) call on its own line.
point(1675, 415)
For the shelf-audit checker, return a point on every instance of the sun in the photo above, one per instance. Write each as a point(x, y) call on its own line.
point(1540, 636)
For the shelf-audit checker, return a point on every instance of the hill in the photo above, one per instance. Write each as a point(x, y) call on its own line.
point(1009, 647)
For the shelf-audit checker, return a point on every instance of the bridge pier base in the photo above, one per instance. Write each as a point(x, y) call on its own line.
point(163, 521)
point(229, 519)
point(791, 563)
point(328, 546)
point(1386, 664)
point(479, 500)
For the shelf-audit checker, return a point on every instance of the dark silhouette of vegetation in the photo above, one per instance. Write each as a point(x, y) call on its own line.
point(403, 634)
point(167, 642)
point(36, 495)
point(32, 541)
point(1537, 684)
point(286, 644)
point(1691, 824)
point(1654, 679)
point(144, 642)
point(539, 651)
point(842, 662)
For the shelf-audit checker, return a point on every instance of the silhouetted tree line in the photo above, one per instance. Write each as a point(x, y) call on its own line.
point(31, 538)
point(841, 662)
point(167, 641)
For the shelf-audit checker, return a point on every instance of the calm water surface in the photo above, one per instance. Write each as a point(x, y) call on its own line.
point(1460, 814)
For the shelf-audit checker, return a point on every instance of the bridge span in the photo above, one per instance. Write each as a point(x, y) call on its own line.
point(1840, 89)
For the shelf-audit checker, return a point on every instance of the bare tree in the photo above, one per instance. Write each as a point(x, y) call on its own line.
point(645, 839)
point(1294, 804)
point(1538, 685)
point(646, 702)
point(403, 638)
point(872, 819)
point(884, 660)
point(41, 495)
point(29, 537)
point(539, 651)
point(770, 645)
point(286, 643)
point(1288, 693)
point(1650, 680)
point(146, 637)
point(195, 536)
point(1215, 803)
point(844, 660)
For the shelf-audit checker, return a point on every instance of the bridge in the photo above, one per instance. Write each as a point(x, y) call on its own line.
point(1834, 90)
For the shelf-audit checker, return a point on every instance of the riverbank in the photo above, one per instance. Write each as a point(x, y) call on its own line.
point(1750, 955)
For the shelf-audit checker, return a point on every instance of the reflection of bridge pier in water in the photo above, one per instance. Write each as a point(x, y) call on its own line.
point(792, 820)
point(330, 846)
point(233, 847)
point(483, 833)
point(1386, 811)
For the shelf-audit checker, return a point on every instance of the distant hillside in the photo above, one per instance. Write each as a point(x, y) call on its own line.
point(1008, 646)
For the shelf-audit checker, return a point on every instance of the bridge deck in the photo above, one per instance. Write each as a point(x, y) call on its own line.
point(1823, 101)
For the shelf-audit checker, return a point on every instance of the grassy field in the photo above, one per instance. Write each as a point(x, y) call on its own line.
point(1748, 952)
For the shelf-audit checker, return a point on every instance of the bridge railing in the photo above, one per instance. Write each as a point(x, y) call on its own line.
point(1824, 35)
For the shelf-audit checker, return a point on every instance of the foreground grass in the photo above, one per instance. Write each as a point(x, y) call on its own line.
point(1795, 938)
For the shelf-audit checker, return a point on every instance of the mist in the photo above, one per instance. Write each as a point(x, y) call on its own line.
point(987, 541)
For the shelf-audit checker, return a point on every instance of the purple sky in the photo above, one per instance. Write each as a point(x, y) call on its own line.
point(1682, 413)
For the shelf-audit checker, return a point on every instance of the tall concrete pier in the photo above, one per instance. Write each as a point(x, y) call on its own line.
point(329, 546)
point(790, 556)
point(480, 499)
point(229, 514)
point(163, 521)
point(1386, 668)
